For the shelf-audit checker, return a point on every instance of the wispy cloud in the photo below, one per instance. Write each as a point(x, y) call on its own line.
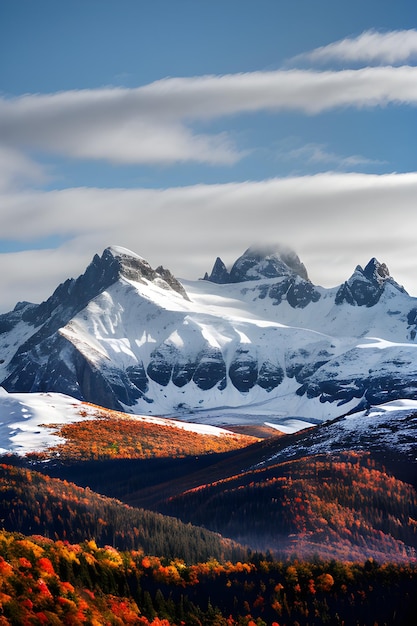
point(393, 47)
point(320, 155)
point(154, 124)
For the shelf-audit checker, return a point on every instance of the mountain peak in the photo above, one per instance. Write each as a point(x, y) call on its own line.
point(74, 294)
point(118, 261)
point(219, 273)
point(366, 285)
point(376, 271)
point(258, 262)
point(122, 262)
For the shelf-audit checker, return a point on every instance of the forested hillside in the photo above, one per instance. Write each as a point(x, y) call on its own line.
point(344, 506)
point(60, 583)
point(228, 531)
point(35, 504)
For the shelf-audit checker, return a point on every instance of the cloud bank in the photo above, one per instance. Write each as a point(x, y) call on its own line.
point(154, 123)
point(331, 220)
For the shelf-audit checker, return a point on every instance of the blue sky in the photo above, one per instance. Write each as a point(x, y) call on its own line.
point(191, 129)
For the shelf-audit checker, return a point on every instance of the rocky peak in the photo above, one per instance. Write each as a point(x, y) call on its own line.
point(219, 273)
point(366, 285)
point(259, 262)
point(375, 271)
point(73, 295)
point(125, 263)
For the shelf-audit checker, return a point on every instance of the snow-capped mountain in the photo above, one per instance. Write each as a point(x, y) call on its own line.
point(257, 340)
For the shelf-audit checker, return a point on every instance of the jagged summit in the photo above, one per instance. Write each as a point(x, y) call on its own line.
point(366, 285)
point(120, 261)
point(376, 271)
point(259, 262)
point(219, 273)
point(73, 295)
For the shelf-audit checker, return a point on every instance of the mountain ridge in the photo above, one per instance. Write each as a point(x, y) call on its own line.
point(135, 339)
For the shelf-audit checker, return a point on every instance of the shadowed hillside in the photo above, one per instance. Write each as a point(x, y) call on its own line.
point(35, 504)
point(345, 506)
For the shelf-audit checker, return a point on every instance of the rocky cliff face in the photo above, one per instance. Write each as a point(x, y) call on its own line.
point(258, 339)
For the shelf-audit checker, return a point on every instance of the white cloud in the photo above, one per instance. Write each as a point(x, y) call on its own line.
point(154, 123)
point(116, 125)
point(398, 46)
point(334, 221)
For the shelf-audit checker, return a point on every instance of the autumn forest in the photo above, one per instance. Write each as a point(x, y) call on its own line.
point(130, 522)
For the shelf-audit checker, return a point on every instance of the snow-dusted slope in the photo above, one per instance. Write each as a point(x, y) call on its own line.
point(389, 430)
point(29, 421)
point(261, 342)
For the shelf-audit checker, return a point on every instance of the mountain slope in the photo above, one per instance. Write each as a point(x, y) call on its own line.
point(35, 504)
point(388, 433)
point(340, 506)
point(261, 342)
point(54, 426)
point(345, 489)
